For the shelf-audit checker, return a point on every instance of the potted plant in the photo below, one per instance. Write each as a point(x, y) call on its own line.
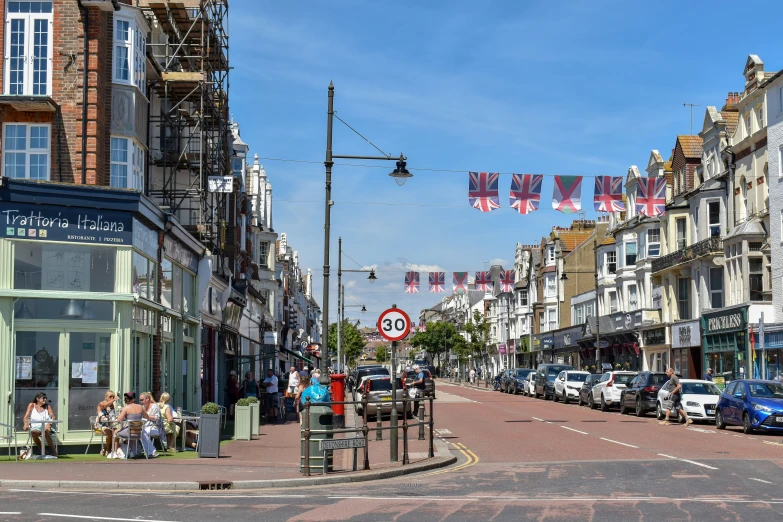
point(209, 431)
point(618, 366)
point(242, 420)
point(255, 415)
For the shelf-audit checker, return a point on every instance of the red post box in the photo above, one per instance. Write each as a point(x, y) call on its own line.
point(338, 395)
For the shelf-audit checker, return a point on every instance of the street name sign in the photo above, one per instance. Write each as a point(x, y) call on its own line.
point(394, 324)
point(338, 444)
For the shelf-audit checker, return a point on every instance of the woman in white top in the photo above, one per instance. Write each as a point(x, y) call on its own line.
point(151, 424)
point(40, 410)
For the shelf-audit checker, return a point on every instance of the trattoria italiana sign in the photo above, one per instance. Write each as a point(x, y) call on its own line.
point(76, 225)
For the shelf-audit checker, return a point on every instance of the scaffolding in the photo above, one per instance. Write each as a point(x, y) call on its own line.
point(189, 117)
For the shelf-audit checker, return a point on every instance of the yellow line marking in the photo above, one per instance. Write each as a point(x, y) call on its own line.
point(472, 459)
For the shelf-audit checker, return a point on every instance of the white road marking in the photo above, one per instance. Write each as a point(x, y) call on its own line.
point(101, 493)
point(92, 517)
point(10, 512)
point(560, 499)
point(620, 443)
point(688, 461)
point(436, 499)
point(760, 480)
point(572, 429)
point(536, 418)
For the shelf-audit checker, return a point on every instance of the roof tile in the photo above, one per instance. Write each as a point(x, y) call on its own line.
point(691, 146)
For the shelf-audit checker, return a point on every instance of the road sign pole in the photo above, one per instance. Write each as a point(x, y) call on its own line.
point(393, 442)
point(394, 324)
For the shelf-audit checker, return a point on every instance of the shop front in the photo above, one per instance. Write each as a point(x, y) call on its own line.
point(566, 345)
point(542, 348)
point(620, 335)
point(229, 340)
point(686, 359)
point(523, 355)
point(768, 341)
point(655, 349)
point(724, 342)
point(79, 298)
point(211, 319)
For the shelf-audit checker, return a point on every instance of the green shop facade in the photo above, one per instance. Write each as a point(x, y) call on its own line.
point(98, 291)
point(725, 342)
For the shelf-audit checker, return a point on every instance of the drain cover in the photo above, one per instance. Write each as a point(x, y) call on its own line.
point(215, 485)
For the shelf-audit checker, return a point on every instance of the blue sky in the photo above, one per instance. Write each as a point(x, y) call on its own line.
point(585, 88)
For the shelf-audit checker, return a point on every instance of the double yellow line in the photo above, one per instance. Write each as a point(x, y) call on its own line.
point(472, 459)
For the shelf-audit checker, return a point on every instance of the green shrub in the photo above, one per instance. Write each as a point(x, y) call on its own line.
point(210, 408)
point(243, 402)
point(252, 400)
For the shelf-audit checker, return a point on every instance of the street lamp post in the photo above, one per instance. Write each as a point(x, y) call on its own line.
point(341, 295)
point(400, 175)
point(564, 277)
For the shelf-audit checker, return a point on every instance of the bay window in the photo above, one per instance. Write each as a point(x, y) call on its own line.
point(713, 217)
point(549, 285)
point(630, 253)
point(127, 164)
point(612, 302)
point(653, 242)
point(683, 302)
point(611, 262)
point(130, 63)
point(716, 287)
point(26, 151)
point(633, 298)
point(28, 48)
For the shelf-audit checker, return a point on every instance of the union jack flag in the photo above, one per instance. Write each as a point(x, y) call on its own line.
point(483, 191)
point(507, 280)
point(651, 196)
point(437, 282)
point(483, 281)
point(411, 282)
point(525, 193)
point(422, 325)
point(460, 282)
point(608, 194)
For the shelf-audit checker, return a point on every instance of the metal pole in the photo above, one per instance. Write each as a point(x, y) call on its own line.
point(366, 432)
point(421, 418)
point(339, 296)
point(328, 163)
point(597, 313)
point(342, 320)
point(378, 422)
point(405, 459)
point(306, 426)
point(432, 430)
point(393, 419)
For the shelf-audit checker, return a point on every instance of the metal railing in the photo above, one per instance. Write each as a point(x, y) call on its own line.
point(364, 429)
point(705, 247)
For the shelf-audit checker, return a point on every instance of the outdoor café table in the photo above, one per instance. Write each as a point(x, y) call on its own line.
point(183, 426)
point(43, 454)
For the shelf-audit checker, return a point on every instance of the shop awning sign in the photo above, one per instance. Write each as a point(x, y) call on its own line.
point(75, 225)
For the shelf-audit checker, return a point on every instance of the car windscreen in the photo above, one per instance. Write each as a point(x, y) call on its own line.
point(658, 378)
point(623, 378)
point(766, 389)
point(700, 388)
point(383, 384)
point(521, 374)
point(373, 371)
point(555, 370)
point(577, 377)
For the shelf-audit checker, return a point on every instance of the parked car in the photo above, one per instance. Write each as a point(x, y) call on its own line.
point(641, 394)
point(545, 379)
point(410, 377)
point(529, 385)
point(568, 384)
point(517, 380)
point(752, 404)
point(587, 388)
point(505, 380)
point(380, 389)
point(364, 371)
point(699, 400)
point(607, 392)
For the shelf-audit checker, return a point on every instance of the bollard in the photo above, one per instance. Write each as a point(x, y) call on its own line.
point(432, 430)
point(421, 421)
point(355, 458)
point(306, 426)
point(366, 432)
point(405, 459)
point(379, 423)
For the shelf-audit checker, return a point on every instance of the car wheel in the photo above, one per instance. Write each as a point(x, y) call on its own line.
point(719, 422)
point(565, 397)
point(554, 396)
point(639, 410)
point(604, 406)
point(747, 427)
point(591, 401)
point(659, 412)
point(514, 390)
point(623, 409)
point(581, 402)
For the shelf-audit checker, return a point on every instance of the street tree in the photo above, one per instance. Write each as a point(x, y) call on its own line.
point(352, 341)
point(382, 354)
point(478, 334)
point(437, 339)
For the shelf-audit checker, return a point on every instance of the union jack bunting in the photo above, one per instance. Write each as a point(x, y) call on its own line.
point(483, 191)
point(483, 281)
point(437, 282)
point(608, 194)
point(525, 192)
point(460, 282)
point(567, 195)
point(507, 280)
point(651, 196)
point(411, 282)
point(422, 326)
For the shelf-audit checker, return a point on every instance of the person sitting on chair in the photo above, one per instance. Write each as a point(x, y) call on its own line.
point(151, 425)
point(130, 412)
point(40, 410)
point(169, 426)
point(104, 418)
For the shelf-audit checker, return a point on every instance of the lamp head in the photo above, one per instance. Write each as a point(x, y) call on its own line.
point(400, 173)
point(364, 309)
point(564, 277)
point(371, 278)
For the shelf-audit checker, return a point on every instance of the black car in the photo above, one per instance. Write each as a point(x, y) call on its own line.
point(587, 387)
point(641, 394)
point(545, 379)
point(516, 381)
point(505, 380)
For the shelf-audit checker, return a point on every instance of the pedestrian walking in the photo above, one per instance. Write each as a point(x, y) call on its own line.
point(293, 382)
point(675, 395)
point(472, 376)
point(270, 383)
point(419, 385)
point(708, 375)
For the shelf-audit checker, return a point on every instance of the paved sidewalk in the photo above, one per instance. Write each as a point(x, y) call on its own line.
point(271, 456)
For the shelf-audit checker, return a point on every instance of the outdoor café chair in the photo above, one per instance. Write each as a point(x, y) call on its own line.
point(55, 439)
point(161, 436)
point(135, 430)
point(8, 434)
point(93, 433)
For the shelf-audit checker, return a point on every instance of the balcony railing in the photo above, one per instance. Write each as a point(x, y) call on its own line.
point(702, 248)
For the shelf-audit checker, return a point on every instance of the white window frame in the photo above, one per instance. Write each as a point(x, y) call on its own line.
point(263, 254)
point(780, 151)
point(613, 304)
point(549, 285)
point(27, 56)
point(552, 319)
point(710, 224)
point(651, 243)
point(134, 164)
point(28, 150)
point(633, 297)
point(608, 262)
point(720, 291)
point(550, 255)
point(136, 45)
point(636, 253)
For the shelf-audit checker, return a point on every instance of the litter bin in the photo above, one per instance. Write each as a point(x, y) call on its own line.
point(321, 418)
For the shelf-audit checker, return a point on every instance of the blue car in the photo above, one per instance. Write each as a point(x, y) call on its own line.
point(752, 404)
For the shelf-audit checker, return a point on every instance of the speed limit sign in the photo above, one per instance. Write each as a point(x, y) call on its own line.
point(394, 324)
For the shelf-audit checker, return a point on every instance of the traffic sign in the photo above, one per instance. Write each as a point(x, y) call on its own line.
point(394, 324)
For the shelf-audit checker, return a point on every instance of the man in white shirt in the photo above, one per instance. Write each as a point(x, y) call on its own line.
point(293, 380)
point(270, 383)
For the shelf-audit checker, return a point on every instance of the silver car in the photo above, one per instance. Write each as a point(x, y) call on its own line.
point(379, 391)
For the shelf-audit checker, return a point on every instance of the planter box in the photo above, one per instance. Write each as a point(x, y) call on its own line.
point(209, 435)
point(242, 423)
point(255, 421)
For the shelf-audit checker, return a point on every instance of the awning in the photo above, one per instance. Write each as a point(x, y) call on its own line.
point(291, 352)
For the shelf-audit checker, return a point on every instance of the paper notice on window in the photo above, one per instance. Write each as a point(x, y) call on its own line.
point(89, 372)
point(76, 370)
point(24, 367)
